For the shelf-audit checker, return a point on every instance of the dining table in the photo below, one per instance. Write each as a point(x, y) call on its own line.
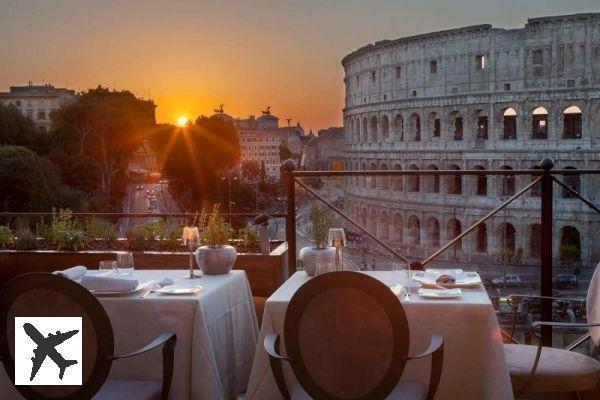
point(474, 364)
point(216, 329)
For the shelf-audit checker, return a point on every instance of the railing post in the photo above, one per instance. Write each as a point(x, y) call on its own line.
point(546, 248)
point(287, 169)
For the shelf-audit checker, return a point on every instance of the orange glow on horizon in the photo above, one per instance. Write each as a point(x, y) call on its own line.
point(182, 121)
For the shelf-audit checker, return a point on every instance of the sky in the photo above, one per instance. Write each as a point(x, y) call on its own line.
point(189, 56)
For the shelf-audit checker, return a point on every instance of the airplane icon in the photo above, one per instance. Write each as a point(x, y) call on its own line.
point(46, 347)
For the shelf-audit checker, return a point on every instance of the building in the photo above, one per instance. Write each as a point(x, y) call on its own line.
point(260, 139)
point(477, 97)
point(37, 102)
point(324, 151)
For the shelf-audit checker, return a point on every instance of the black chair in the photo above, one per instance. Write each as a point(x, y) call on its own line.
point(346, 337)
point(47, 295)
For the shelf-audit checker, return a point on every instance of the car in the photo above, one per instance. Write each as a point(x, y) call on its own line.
point(565, 281)
point(508, 280)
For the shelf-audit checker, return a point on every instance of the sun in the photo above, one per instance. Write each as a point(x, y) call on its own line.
point(182, 121)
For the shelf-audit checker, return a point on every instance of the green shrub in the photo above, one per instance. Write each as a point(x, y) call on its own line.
point(249, 238)
point(217, 232)
point(6, 237)
point(569, 253)
point(321, 220)
point(69, 239)
point(98, 228)
point(136, 238)
point(26, 240)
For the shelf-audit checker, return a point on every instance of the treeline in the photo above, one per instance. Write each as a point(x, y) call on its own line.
point(82, 163)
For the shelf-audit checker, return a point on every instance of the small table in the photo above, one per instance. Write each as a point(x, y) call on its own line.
point(474, 362)
point(216, 332)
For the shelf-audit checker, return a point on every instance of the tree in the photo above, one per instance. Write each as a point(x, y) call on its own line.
point(193, 156)
point(16, 129)
point(284, 152)
point(251, 170)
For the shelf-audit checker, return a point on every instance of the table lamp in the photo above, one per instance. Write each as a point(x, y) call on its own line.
point(191, 237)
point(337, 239)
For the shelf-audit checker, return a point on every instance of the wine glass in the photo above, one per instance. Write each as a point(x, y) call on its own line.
point(107, 266)
point(125, 264)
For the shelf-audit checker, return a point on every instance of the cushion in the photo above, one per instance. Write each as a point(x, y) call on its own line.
point(404, 390)
point(115, 389)
point(558, 370)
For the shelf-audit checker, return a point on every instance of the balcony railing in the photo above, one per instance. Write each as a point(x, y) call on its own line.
point(545, 176)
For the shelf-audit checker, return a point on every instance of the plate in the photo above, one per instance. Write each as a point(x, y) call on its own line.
point(462, 279)
point(142, 289)
point(440, 293)
point(179, 291)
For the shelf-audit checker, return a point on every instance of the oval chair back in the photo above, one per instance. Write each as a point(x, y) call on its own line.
point(593, 306)
point(47, 295)
point(347, 337)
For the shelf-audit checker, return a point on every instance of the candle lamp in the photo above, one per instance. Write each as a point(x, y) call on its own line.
point(337, 239)
point(191, 238)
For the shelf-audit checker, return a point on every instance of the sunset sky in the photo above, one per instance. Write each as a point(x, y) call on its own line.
point(191, 55)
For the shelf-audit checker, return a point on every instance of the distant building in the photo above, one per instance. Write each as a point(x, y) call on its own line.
point(260, 139)
point(37, 102)
point(325, 151)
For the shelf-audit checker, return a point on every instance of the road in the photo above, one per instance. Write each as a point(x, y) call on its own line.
point(153, 198)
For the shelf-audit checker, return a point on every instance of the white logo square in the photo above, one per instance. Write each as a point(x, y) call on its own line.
point(48, 350)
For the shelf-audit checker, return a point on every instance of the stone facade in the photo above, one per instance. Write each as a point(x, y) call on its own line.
point(476, 98)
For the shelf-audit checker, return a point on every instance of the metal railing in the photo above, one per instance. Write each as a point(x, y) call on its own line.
point(545, 176)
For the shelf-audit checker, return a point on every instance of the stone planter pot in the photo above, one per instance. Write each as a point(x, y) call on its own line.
point(216, 261)
point(317, 260)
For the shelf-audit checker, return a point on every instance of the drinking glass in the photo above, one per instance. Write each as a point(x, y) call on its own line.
point(125, 264)
point(107, 266)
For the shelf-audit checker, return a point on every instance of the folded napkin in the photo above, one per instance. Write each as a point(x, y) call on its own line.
point(108, 283)
point(73, 273)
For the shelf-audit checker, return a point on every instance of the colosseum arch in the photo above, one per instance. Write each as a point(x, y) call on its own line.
point(572, 123)
point(570, 244)
point(573, 182)
point(454, 181)
point(536, 190)
point(397, 180)
point(373, 129)
point(481, 182)
point(453, 229)
point(384, 180)
point(482, 238)
point(539, 123)
point(456, 125)
point(398, 228)
point(508, 183)
point(363, 178)
point(433, 232)
point(535, 240)
point(398, 127)
point(414, 127)
point(482, 125)
point(434, 125)
point(384, 230)
point(385, 128)
point(357, 130)
point(509, 124)
point(414, 231)
point(413, 182)
point(371, 178)
point(365, 131)
point(507, 234)
point(363, 217)
point(372, 222)
point(432, 182)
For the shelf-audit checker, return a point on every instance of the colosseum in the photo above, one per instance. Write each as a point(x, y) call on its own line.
point(477, 97)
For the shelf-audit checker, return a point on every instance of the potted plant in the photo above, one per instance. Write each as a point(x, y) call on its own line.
point(216, 257)
point(318, 257)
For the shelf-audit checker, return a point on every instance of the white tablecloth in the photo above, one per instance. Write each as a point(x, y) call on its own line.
point(216, 335)
point(474, 363)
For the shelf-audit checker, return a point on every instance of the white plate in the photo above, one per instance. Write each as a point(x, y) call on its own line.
point(462, 279)
point(440, 293)
point(142, 289)
point(179, 291)
point(444, 270)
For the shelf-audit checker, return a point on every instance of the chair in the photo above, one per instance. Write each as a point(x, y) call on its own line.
point(537, 369)
point(346, 337)
point(47, 295)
